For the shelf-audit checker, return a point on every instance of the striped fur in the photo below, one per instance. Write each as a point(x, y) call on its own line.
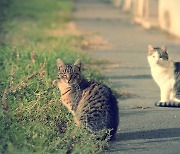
point(92, 104)
point(166, 74)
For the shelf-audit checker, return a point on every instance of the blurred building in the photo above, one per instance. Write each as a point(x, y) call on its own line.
point(164, 14)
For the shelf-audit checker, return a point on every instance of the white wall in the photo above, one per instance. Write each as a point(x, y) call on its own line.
point(127, 5)
point(169, 16)
point(162, 13)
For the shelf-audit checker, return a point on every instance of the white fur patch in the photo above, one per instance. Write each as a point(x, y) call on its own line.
point(163, 73)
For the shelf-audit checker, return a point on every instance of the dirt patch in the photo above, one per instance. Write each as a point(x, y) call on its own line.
point(95, 41)
point(89, 40)
point(69, 29)
point(123, 94)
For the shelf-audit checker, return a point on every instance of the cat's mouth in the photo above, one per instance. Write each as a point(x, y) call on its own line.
point(69, 84)
point(157, 62)
point(66, 83)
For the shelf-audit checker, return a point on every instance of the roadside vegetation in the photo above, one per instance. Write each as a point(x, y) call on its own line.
point(32, 118)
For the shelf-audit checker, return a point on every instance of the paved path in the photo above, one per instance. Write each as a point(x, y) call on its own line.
point(148, 130)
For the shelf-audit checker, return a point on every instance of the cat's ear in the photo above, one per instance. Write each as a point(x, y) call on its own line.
point(60, 64)
point(164, 48)
point(78, 64)
point(150, 50)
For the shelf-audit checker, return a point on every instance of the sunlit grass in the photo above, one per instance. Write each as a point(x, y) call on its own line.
point(32, 118)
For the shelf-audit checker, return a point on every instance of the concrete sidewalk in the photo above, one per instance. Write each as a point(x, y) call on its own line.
point(143, 127)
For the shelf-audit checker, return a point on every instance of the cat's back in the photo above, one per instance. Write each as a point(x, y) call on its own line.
point(177, 67)
point(177, 78)
point(95, 91)
point(96, 96)
point(98, 108)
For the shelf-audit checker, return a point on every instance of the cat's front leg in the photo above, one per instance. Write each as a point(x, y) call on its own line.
point(77, 122)
point(165, 94)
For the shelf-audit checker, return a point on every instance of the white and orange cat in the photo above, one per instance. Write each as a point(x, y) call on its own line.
point(166, 74)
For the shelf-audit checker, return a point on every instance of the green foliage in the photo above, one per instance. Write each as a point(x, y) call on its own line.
point(32, 117)
point(35, 119)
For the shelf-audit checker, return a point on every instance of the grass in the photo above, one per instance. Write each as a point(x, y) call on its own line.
point(32, 118)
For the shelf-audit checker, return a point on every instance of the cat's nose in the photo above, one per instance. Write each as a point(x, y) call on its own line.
point(68, 79)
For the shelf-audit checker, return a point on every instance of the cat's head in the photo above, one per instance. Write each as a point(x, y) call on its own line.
point(69, 74)
point(157, 55)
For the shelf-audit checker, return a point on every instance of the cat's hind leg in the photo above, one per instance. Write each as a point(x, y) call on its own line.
point(173, 97)
point(176, 100)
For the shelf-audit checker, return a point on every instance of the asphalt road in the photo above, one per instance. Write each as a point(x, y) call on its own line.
point(143, 127)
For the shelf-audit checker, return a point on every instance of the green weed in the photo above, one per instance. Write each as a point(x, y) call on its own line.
point(32, 117)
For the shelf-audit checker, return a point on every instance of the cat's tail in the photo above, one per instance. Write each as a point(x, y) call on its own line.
point(168, 104)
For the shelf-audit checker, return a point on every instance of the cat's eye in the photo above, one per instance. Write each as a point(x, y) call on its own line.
point(63, 75)
point(75, 74)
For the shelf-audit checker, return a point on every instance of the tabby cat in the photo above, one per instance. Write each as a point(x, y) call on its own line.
point(92, 104)
point(166, 74)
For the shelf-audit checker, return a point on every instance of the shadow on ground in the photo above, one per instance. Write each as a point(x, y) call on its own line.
point(149, 134)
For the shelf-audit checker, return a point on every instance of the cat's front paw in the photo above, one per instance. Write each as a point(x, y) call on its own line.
point(161, 104)
point(158, 103)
